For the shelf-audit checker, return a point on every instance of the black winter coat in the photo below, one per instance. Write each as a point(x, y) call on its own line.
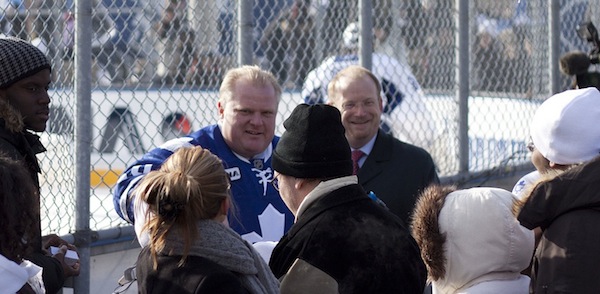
point(348, 243)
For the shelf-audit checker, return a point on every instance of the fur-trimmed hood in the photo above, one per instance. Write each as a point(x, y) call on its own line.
point(470, 236)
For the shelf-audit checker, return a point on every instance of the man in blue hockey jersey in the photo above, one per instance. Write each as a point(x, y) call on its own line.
point(244, 139)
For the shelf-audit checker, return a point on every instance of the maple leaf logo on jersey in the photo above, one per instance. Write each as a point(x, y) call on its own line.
point(272, 225)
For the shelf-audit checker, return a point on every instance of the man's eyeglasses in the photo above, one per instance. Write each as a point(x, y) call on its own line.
point(275, 183)
point(530, 146)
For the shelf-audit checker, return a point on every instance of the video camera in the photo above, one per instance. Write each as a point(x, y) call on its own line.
point(588, 32)
point(577, 63)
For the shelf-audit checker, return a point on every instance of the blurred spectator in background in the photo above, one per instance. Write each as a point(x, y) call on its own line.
point(118, 54)
point(115, 41)
point(302, 42)
point(411, 24)
point(338, 14)
point(389, 39)
point(176, 43)
point(264, 12)
point(207, 70)
point(13, 18)
point(435, 60)
point(103, 28)
point(503, 49)
point(275, 45)
point(225, 27)
point(288, 44)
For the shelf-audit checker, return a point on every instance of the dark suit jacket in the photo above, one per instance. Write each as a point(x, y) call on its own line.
point(397, 172)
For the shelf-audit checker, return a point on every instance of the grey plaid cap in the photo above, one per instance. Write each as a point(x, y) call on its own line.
point(19, 59)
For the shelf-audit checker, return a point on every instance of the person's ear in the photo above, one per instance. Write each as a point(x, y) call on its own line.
point(221, 108)
point(225, 205)
point(330, 101)
point(300, 184)
point(222, 214)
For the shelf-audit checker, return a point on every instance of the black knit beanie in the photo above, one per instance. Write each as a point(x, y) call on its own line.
point(19, 59)
point(314, 144)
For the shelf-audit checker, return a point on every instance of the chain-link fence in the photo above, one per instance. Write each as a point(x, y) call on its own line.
point(157, 65)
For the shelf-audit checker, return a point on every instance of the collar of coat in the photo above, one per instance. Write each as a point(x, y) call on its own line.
point(323, 189)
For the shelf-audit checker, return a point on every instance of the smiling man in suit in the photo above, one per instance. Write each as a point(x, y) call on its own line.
point(394, 170)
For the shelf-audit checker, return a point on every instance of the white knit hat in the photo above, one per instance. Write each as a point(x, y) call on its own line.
point(566, 127)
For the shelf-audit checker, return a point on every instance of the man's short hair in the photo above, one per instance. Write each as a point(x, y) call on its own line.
point(352, 71)
point(250, 73)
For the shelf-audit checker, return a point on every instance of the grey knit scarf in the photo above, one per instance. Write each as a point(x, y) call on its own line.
point(225, 247)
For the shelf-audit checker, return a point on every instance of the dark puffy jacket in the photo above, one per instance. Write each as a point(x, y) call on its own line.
point(567, 209)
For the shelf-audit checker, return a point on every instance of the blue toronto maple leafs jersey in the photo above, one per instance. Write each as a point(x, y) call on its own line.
point(259, 213)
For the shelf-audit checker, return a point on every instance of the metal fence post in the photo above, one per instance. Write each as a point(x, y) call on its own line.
point(462, 78)
point(245, 33)
point(365, 20)
point(83, 139)
point(553, 45)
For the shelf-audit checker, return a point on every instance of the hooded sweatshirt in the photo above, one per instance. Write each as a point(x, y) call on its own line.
point(471, 242)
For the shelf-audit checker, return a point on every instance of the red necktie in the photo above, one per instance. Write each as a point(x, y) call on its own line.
point(356, 156)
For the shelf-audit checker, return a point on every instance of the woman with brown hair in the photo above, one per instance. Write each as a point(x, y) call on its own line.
point(188, 248)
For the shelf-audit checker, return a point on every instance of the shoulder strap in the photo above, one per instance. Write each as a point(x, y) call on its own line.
point(129, 278)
